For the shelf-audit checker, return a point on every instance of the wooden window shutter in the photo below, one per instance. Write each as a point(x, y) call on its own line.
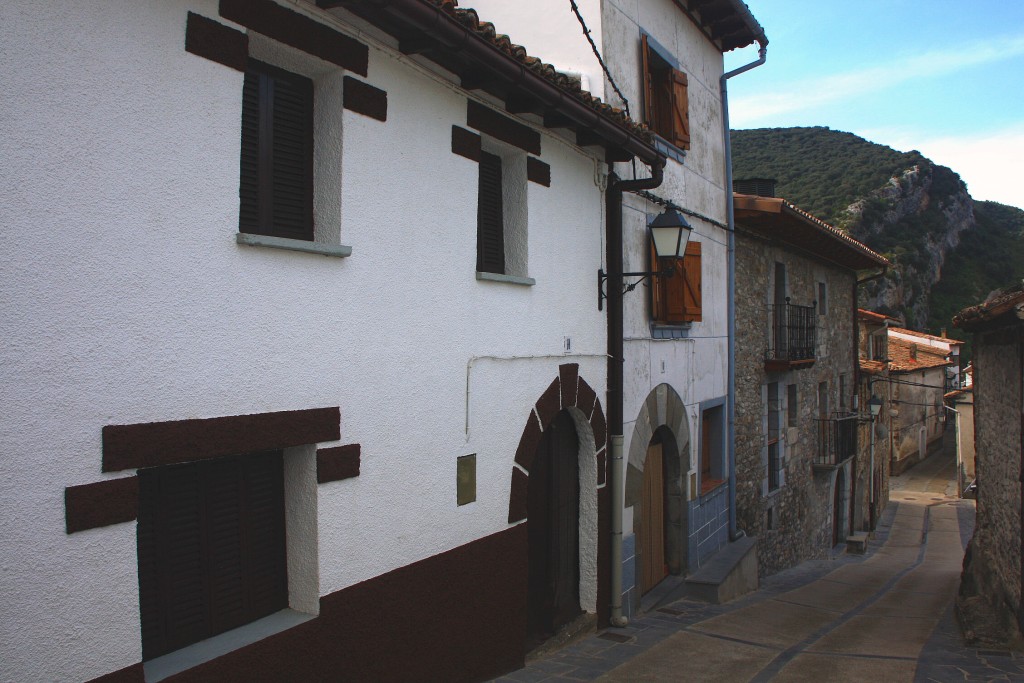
point(645, 61)
point(276, 180)
point(490, 218)
point(691, 281)
point(680, 110)
point(211, 547)
point(677, 298)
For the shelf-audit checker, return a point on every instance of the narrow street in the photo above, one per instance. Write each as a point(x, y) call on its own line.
point(885, 616)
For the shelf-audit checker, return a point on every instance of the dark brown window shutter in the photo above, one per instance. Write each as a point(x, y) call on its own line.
point(490, 218)
point(680, 110)
point(691, 280)
point(276, 180)
point(211, 545)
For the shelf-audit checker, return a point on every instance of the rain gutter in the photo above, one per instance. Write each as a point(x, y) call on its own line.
point(762, 53)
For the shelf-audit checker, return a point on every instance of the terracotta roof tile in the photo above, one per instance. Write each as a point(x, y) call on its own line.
point(871, 367)
point(906, 356)
point(871, 315)
point(469, 18)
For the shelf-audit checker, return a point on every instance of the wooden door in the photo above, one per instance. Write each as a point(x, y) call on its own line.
point(553, 532)
point(652, 528)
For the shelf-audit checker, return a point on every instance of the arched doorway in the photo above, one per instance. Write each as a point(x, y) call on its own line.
point(651, 548)
point(553, 503)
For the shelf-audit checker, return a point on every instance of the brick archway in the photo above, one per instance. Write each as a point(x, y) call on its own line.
point(571, 392)
point(568, 390)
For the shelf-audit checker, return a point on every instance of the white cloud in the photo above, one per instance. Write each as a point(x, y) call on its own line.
point(988, 162)
point(748, 110)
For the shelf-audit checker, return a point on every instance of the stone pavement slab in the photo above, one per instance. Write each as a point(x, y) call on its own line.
point(771, 623)
point(694, 657)
point(819, 668)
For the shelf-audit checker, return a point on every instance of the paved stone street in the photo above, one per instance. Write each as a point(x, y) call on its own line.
point(884, 616)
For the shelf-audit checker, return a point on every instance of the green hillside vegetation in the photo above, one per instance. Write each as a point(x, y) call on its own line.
point(819, 169)
point(990, 258)
point(825, 171)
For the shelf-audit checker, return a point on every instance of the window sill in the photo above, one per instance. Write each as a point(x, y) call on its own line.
point(670, 331)
point(708, 486)
point(252, 240)
point(668, 149)
point(508, 279)
point(221, 644)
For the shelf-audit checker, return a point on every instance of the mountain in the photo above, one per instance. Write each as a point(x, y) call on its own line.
point(949, 251)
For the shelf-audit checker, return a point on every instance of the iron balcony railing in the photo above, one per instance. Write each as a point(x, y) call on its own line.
point(792, 333)
point(837, 439)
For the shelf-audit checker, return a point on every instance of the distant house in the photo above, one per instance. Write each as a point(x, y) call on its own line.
point(797, 467)
point(992, 570)
point(920, 369)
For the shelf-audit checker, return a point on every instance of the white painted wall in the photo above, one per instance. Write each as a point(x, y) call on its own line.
point(697, 366)
point(127, 300)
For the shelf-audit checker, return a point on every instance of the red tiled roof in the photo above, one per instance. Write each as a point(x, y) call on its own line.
point(865, 314)
point(923, 335)
point(906, 356)
point(871, 367)
point(790, 223)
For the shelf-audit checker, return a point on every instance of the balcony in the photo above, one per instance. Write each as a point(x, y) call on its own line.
point(837, 440)
point(792, 337)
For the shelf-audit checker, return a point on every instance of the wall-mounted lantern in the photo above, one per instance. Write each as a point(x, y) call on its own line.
point(669, 233)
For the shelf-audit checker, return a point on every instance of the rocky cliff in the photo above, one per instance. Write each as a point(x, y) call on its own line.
point(916, 220)
point(948, 250)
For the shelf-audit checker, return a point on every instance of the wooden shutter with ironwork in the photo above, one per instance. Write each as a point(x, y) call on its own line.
point(276, 179)
point(490, 231)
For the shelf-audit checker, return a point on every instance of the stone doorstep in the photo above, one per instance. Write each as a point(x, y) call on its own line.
point(725, 577)
point(857, 543)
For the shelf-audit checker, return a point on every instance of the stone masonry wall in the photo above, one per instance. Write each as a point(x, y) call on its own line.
point(993, 569)
point(801, 509)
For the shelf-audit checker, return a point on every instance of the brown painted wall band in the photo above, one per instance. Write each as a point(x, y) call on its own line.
point(215, 41)
point(165, 443)
point(538, 172)
point(337, 463)
point(292, 28)
point(363, 98)
point(486, 120)
point(469, 585)
point(465, 143)
point(101, 504)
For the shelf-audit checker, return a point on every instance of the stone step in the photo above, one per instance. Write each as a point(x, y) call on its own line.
point(730, 573)
point(857, 543)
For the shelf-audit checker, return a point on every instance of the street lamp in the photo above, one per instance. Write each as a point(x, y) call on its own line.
point(669, 233)
point(875, 406)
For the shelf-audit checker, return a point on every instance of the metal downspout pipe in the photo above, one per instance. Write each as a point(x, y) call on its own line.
point(613, 258)
point(731, 221)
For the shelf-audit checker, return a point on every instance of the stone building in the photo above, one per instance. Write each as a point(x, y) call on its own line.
point(919, 373)
point(796, 373)
point(992, 575)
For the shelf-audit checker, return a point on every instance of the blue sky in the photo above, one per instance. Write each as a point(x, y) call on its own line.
point(945, 78)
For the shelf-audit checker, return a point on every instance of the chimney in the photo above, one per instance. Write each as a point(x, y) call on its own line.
point(762, 187)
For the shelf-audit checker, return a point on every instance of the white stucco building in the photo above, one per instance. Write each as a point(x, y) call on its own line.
point(665, 60)
point(300, 328)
